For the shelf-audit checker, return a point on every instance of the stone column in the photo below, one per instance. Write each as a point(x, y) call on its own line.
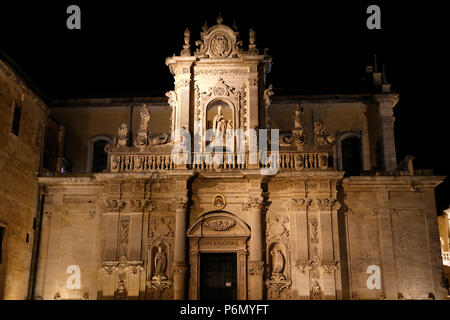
point(328, 261)
point(389, 273)
point(386, 104)
point(179, 259)
point(256, 263)
point(299, 208)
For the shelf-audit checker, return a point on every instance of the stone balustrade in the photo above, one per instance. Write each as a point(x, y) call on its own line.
point(142, 162)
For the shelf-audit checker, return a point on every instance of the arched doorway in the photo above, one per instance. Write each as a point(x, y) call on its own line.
point(216, 241)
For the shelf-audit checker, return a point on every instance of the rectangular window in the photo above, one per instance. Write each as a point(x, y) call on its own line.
point(16, 120)
point(2, 235)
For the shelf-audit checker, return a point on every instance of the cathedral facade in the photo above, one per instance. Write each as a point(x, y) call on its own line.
point(188, 197)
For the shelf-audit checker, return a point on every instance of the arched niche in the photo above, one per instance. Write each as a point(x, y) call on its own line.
point(220, 113)
point(218, 232)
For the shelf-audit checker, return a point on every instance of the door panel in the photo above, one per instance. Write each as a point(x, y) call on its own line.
point(218, 276)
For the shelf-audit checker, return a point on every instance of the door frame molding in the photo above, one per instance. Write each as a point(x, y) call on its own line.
point(218, 232)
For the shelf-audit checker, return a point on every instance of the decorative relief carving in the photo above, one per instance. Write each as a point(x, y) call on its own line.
point(180, 203)
point(314, 230)
point(220, 225)
point(220, 72)
point(277, 227)
point(242, 103)
point(161, 227)
point(114, 205)
point(316, 291)
point(329, 266)
point(121, 292)
point(109, 267)
point(123, 240)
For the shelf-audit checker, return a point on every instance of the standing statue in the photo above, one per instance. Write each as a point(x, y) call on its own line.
point(160, 264)
point(121, 139)
point(320, 136)
point(298, 115)
point(172, 95)
point(142, 137)
point(145, 118)
point(278, 261)
point(298, 132)
point(267, 93)
point(186, 47)
point(219, 123)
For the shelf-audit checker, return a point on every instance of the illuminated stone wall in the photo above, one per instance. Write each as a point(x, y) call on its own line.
point(19, 163)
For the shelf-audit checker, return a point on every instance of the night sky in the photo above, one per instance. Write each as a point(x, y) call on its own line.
point(317, 47)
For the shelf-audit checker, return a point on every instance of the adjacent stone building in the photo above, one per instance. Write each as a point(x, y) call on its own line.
point(330, 214)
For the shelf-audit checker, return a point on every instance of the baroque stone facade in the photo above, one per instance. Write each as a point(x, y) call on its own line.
point(308, 230)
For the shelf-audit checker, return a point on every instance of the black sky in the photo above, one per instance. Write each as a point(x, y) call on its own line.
point(317, 47)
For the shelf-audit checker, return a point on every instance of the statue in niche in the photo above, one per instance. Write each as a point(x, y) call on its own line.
point(278, 262)
point(122, 136)
point(160, 264)
point(220, 125)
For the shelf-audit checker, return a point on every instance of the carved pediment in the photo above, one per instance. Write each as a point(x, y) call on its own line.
point(219, 41)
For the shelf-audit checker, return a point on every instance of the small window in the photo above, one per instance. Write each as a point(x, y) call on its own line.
point(351, 156)
point(16, 120)
point(2, 235)
point(99, 156)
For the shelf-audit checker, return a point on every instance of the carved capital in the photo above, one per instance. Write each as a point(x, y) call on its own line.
point(255, 267)
point(180, 204)
point(243, 252)
point(180, 268)
point(302, 265)
point(299, 204)
point(325, 204)
point(255, 204)
point(329, 266)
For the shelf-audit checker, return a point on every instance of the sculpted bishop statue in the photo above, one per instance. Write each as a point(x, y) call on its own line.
point(220, 124)
point(160, 263)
